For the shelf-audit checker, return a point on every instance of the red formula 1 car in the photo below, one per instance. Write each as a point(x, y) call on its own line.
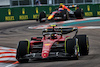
point(62, 13)
point(53, 44)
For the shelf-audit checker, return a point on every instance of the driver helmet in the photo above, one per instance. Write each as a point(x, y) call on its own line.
point(53, 36)
point(60, 9)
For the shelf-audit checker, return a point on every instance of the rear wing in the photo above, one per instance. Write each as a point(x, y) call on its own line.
point(61, 30)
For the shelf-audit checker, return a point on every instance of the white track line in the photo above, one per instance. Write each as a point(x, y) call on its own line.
point(9, 54)
point(8, 59)
point(92, 27)
point(6, 55)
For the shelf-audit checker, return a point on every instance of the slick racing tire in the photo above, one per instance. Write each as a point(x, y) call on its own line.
point(71, 48)
point(21, 51)
point(83, 44)
point(79, 14)
point(41, 16)
point(65, 15)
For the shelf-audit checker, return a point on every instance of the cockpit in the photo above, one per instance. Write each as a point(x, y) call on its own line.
point(52, 35)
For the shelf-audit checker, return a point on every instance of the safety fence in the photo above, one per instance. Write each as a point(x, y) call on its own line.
point(25, 13)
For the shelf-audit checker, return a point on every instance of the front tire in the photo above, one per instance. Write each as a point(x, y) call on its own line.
point(83, 44)
point(41, 16)
point(79, 14)
point(22, 51)
point(72, 48)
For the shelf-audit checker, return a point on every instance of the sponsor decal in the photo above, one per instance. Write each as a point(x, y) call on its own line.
point(98, 12)
point(88, 7)
point(35, 16)
point(88, 13)
point(9, 12)
point(9, 18)
point(23, 10)
point(47, 44)
point(50, 9)
point(23, 17)
point(37, 10)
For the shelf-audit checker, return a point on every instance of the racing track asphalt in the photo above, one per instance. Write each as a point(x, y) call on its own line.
point(12, 32)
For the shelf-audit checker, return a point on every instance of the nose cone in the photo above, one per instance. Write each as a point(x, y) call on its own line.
point(45, 55)
point(46, 50)
point(50, 17)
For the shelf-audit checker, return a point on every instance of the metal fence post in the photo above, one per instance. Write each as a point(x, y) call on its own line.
point(47, 1)
point(53, 2)
point(32, 3)
point(93, 2)
point(73, 2)
point(18, 3)
point(10, 3)
point(83, 1)
point(57, 2)
point(50, 2)
point(66, 2)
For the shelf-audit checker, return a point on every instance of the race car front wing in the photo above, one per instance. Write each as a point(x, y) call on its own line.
point(51, 55)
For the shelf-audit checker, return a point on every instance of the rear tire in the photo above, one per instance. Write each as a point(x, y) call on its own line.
point(21, 51)
point(36, 19)
point(71, 46)
point(83, 44)
point(42, 15)
point(65, 15)
point(79, 14)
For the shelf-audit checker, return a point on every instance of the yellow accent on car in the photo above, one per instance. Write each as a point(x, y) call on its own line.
point(61, 29)
point(50, 17)
point(44, 54)
point(47, 44)
point(87, 43)
point(53, 25)
point(77, 45)
point(28, 47)
point(61, 3)
point(65, 44)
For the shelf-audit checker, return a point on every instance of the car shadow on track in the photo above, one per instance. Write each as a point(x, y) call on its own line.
point(87, 57)
point(50, 60)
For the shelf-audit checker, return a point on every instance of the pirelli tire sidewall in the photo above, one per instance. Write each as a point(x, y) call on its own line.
point(42, 15)
point(79, 14)
point(22, 51)
point(83, 42)
point(72, 47)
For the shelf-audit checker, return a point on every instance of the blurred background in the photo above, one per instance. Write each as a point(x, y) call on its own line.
point(14, 3)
